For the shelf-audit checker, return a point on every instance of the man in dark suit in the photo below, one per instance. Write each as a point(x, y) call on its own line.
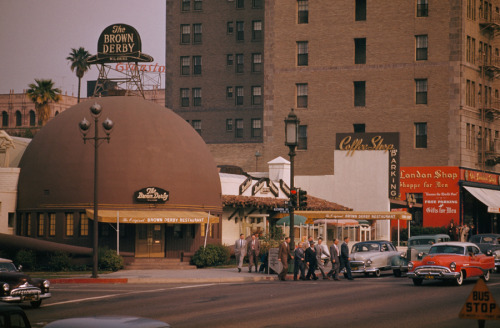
point(253, 251)
point(299, 264)
point(345, 259)
point(311, 261)
point(334, 258)
point(283, 256)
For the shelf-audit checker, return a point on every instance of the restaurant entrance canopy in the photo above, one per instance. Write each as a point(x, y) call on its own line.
point(354, 215)
point(153, 217)
point(488, 197)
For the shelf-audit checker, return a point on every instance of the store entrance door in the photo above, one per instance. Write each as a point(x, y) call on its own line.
point(150, 240)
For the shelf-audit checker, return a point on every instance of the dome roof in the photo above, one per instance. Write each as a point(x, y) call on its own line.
point(150, 146)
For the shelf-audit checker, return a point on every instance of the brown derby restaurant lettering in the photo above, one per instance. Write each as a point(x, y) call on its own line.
point(388, 142)
point(151, 195)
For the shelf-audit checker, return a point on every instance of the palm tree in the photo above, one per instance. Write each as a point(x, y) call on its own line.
point(42, 94)
point(78, 58)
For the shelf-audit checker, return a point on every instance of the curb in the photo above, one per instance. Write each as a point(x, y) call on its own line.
point(89, 281)
point(153, 280)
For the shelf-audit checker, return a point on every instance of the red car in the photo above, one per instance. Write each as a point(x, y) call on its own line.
point(453, 261)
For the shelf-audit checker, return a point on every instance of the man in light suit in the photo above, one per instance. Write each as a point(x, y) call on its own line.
point(283, 256)
point(334, 258)
point(319, 260)
point(345, 260)
point(253, 251)
point(240, 250)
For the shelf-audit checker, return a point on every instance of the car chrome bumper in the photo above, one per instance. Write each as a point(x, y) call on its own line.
point(360, 267)
point(402, 268)
point(433, 272)
point(21, 298)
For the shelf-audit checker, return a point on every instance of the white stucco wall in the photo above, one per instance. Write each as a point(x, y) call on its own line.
point(8, 196)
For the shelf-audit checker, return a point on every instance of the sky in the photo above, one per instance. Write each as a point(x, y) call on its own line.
point(36, 36)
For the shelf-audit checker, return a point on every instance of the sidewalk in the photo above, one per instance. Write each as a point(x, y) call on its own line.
point(210, 275)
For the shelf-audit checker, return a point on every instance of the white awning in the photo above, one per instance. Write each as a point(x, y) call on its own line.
point(488, 197)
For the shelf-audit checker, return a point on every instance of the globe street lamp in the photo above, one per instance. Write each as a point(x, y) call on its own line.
point(84, 125)
point(291, 140)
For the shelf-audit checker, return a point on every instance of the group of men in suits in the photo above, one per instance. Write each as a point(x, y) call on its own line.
point(308, 255)
point(250, 248)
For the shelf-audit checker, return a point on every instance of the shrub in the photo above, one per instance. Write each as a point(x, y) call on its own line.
point(59, 261)
point(26, 258)
point(109, 260)
point(212, 255)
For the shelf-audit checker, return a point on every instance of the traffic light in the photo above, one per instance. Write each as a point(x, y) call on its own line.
point(293, 198)
point(302, 199)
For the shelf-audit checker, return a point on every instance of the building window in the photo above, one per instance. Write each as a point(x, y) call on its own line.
point(471, 9)
point(239, 63)
point(359, 93)
point(420, 135)
point(256, 128)
point(302, 137)
point(41, 224)
point(359, 127)
point(196, 96)
point(302, 53)
point(19, 118)
point(421, 47)
point(230, 27)
point(70, 224)
point(257, 95)
point(11, 219)
point(196, 65)
point(32, 118)
point(229, 124)
point(197, 33)
point(257, 30)
point(229, 59)
point(186, 5)
point(84, 225)
point(470, 93)
point(185, 34)
point(422, 8)
point(240, 4)
point(29, 224)
point(229, 92)
point(421, 91)
point(257, 4)
point(257, 63)
point(303, 11)
point(470, 51)
point(240, 31)
point(239, 128)
point(302, 95)
point(198, 4)
point(360, 51)
point(5, 119)
point(184, 97)
point(196, 125)
point(185, 65)
point(360, 11)
point(52, 224)
point(239, 95)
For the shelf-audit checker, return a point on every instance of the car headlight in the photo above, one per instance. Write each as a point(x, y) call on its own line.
point(5, 287)
point(410, 266)
point(46, 284)
point(453, 266)
point(403, 255)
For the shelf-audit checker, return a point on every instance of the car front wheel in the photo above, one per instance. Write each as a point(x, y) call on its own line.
point(486, 276)
point(417, 282)
point(460, 280)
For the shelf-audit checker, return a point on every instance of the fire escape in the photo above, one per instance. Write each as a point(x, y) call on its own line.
point(489, 22)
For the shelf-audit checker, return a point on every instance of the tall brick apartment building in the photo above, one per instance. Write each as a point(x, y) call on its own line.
point(424, 68)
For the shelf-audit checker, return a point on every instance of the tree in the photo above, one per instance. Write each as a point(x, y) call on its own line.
point(42, 94)
point(79, 64)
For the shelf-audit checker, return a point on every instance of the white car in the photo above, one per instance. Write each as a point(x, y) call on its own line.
point(372, 257)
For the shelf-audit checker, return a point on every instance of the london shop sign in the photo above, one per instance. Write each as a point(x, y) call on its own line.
point(151, 195)
point(119, 43)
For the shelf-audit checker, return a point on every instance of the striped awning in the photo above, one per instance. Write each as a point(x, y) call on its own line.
point(151, 216)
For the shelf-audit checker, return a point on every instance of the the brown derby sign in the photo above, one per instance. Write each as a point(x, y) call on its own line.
point(151, 195)
point(119, 43)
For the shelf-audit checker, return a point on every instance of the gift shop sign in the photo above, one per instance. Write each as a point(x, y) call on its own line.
point(439, 188)
point(387, 142)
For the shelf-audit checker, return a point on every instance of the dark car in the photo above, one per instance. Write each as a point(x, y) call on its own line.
point(12, 316)
point(489, 242)
point(108, 322)
point(17, 287)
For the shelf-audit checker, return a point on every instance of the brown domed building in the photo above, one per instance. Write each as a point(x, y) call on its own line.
point(157, 179)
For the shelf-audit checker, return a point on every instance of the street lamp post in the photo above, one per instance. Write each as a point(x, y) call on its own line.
point(291, 140)
point(84, 126)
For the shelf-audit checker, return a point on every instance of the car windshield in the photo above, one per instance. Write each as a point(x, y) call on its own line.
point(7, 267)
point(372, 247)
point(419, 242)
point(447, 249)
